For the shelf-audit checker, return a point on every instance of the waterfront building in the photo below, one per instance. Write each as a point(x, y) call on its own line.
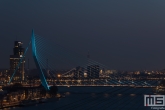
point(15, 59)
point(79, 72)
point(93, 71)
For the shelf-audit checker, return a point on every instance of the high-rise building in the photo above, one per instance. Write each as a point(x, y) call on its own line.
point(93, 71)
point(79, 72)
point(15, 59)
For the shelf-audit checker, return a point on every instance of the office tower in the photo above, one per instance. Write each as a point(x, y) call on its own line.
point(79, 72)
point(93, 71)
point(15, 59)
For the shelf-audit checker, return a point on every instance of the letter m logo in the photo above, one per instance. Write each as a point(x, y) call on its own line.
point(154, 100)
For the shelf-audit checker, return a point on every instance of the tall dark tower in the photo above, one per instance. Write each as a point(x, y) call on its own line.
point(18, 52)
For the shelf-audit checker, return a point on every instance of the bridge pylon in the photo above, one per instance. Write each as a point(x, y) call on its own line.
point(42, 77)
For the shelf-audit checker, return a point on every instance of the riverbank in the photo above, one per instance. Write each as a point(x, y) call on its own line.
point(97, 98)
point(17, 104)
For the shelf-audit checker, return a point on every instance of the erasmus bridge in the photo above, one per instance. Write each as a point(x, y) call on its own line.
point(83, 71)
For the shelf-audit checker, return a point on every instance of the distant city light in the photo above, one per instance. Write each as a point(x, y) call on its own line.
point(59, 75)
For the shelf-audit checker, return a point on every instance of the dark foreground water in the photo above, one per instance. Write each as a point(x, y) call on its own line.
point(96, 98)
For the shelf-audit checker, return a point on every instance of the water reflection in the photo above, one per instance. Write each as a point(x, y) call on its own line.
point(67, 93)
point(119, 94)
point(94, 99)
point(132, 94)
point(106, 95)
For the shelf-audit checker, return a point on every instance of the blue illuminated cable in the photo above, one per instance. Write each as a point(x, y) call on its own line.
point(66, 54)
point(45, 52)
point(50, 67)
point(45, 64)
point(75, 53)
point(42, 49)
point(45, 69)
point(43, 80)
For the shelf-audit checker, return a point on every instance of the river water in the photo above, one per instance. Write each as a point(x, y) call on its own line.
point(96, 98)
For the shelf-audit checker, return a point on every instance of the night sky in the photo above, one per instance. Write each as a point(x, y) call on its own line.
point(122, 34)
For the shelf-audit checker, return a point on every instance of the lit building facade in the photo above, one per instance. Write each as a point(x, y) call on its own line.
point(93, 71)
point(79, 72)
point(18, 52)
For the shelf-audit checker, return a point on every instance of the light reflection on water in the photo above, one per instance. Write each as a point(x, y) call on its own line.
point(95, 98)
point(106, 95)
point(132, 94)
point(119, 94)
point(67, 93)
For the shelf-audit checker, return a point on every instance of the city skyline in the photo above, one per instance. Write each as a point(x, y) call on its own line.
point(82, 54)
point(15, 51)
point(118, 34)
